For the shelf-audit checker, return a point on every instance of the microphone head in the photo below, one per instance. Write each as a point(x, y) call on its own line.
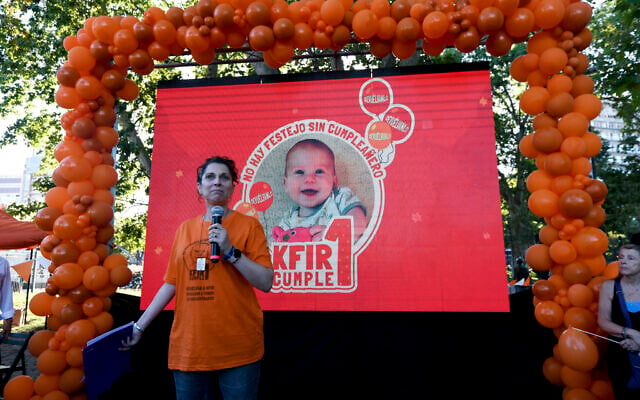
point(217, 211)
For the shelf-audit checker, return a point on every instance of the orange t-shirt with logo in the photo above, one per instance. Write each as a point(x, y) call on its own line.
point(218, 321)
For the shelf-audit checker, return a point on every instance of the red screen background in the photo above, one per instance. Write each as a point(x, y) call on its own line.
point(439, 243)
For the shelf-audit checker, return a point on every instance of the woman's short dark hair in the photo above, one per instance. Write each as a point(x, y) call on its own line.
point(219, 160)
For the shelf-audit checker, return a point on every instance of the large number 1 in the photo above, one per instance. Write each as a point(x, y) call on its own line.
point(340, 231)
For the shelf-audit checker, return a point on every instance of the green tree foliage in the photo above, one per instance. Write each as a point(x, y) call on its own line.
point(31, 51)
point(623, 180)
point(615, 58)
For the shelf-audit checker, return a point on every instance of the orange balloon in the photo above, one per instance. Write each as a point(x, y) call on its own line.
point(593, 142)
point(561, 184)
point(365, 24)
point(562, 252)
point(80, 188)
point(80, 331)
point(56, 308)
point(92, 306)
point(540, 42)
point(559, 84)
point(518, 69)
point(67, 97)
point(499, 43)
point(573, 124)
point(95, 277)
point(38, 342)
point(81, 59)
point(19, 388)
point(52, 362)
point(68, 276)
point(580, 295)
point(549, 314)
point(103, 322)
point(559, 282)
point(548, 234)
point(551, 371)
point(533, 101)
point(549, 13)
point(580, 318)
point(548, 140)
point(100, 213)
point(107, 291)
point(577, 350)
point(526, 147)
point(575, 379)
point(582, 84)
point(574, 147)
point(543, 203)
point(588, 104)
point(66, 227)
point(261, 37)
point(64, 253)
point(544, 290)
point(596, 264)
point(53, 322)
point(590, 242)
point(74, 357)
point(537, 78)
point(611, 271)
point(575, 203)
point(72, 380)
point(537, 256)
point(120, 275)
point(520, 23)
point(537, 180)
point(71, 312)
point(104, 28)
point(435, 25)
point(46, 384)
point(577, 272)
point(130, 90)
point(74, 168)
point(557, 163)
point(580, 166)
point(332, 12)
point(104, 176)
point(553, 60)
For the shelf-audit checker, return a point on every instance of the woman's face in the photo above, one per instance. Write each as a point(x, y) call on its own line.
point(216, 186)
point(629, 262)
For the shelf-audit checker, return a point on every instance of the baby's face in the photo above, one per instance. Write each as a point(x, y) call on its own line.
point(309, 176)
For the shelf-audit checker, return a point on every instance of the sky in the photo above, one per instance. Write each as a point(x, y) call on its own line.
point(13, 157)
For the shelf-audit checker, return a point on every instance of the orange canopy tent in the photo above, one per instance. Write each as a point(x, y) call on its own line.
point(16, 234)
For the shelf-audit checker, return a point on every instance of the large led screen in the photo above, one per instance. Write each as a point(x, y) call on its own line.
point(377, 190)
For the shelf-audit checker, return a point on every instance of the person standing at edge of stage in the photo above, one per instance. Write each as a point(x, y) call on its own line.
point(611, 319)
point(6, 298)
point(217, 331)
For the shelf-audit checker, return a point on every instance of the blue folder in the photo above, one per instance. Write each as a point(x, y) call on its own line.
point(104, 363)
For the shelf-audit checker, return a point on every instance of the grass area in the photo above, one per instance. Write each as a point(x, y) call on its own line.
point(35, 322)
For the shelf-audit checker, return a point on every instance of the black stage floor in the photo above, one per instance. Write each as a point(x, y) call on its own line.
point(377, 355)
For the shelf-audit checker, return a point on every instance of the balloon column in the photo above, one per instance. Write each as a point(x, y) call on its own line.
point(103, 52)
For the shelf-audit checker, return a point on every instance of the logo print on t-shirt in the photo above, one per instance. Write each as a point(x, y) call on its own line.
point(190, 256)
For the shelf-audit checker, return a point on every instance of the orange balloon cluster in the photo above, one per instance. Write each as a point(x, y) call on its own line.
point(571, 246)
point(101, 54)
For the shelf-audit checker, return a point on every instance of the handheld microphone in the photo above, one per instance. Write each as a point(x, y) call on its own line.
point(216, 218)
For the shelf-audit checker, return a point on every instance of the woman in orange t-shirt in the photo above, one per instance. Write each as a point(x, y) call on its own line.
point(217, 328)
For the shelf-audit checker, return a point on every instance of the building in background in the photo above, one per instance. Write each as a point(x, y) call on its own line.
point(609, 126)
point(16, 181)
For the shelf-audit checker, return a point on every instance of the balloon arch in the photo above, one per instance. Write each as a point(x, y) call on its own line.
point(79, 209)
